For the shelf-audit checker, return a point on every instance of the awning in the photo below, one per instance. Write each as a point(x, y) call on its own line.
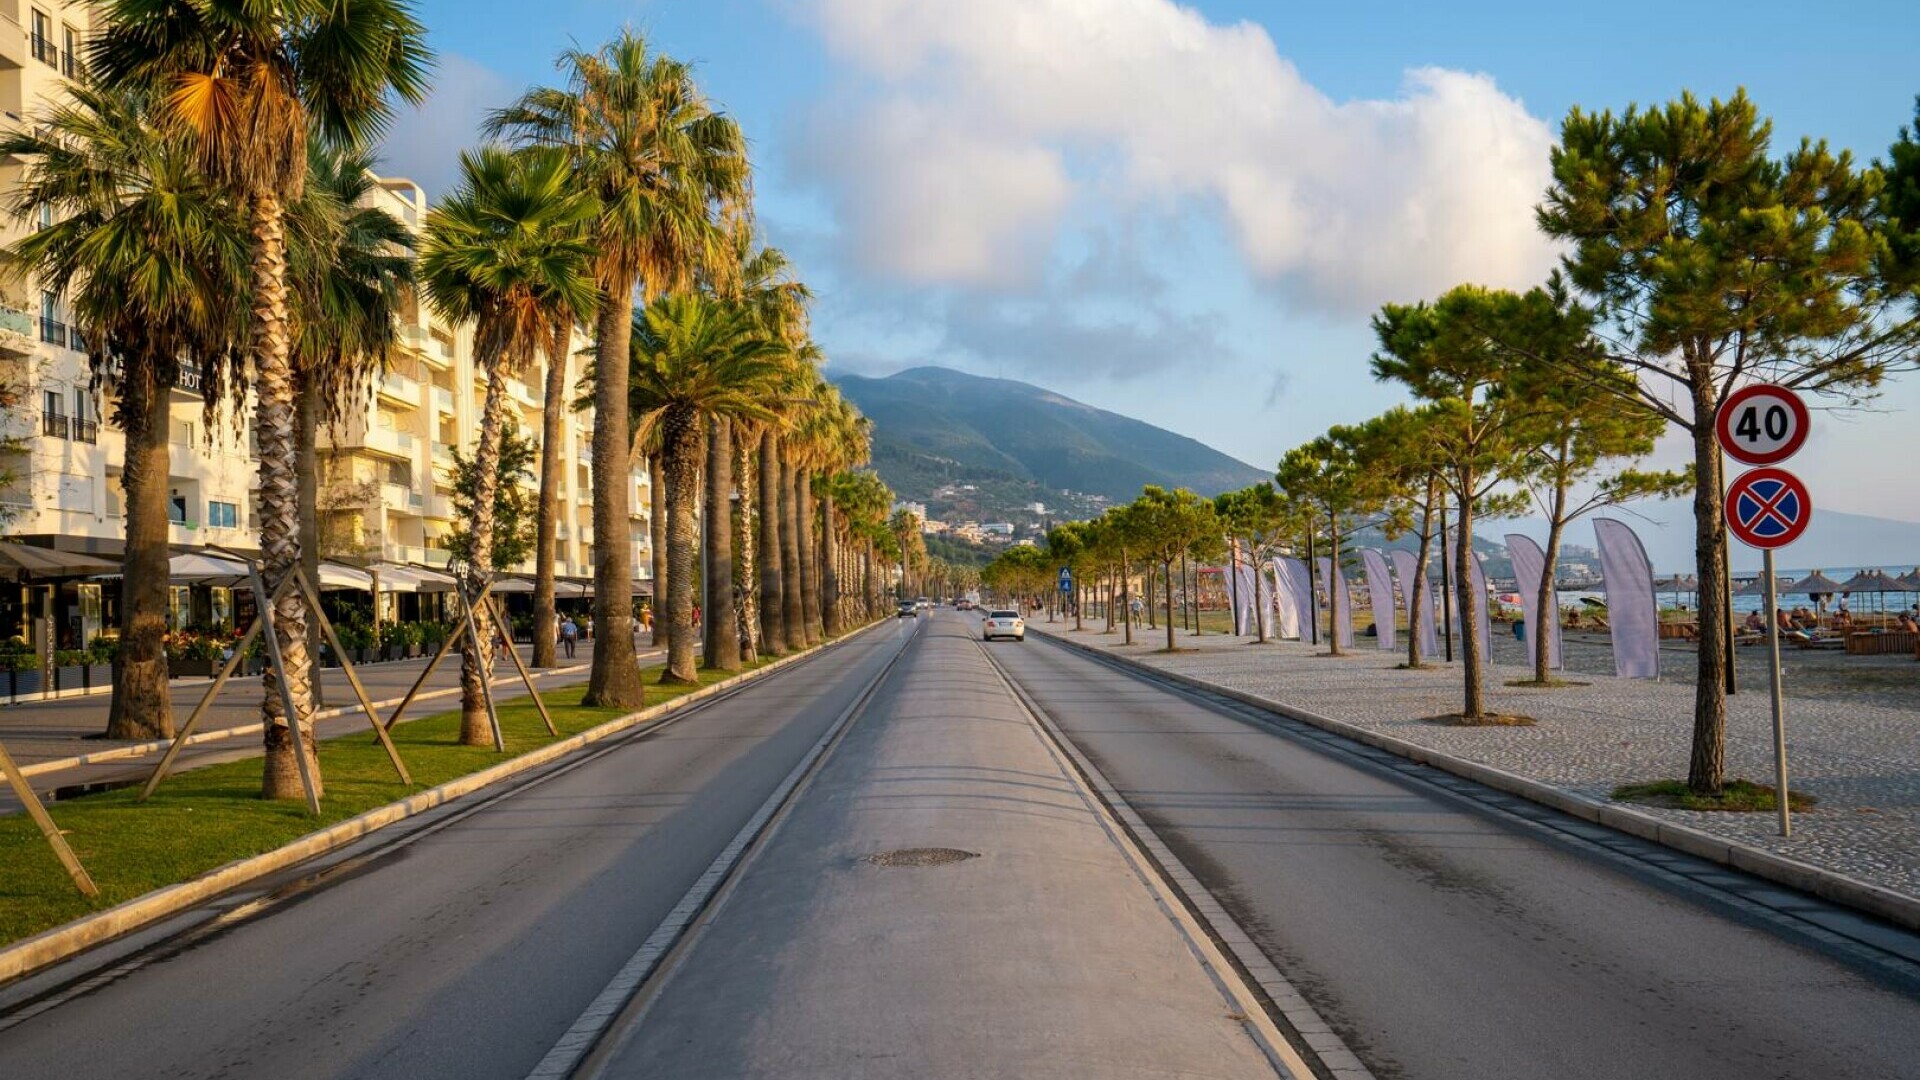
point(341, 576)
point(513, 585)
point(200, 568)
point(20, 561)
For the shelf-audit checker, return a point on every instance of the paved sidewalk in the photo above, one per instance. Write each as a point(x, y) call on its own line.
point(58, 741)
point(1044, 956)
point(1861, 761)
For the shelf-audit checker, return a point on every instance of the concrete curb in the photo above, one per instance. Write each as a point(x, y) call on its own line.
point(1895, 907)
point(71, 939)
point(156, 746)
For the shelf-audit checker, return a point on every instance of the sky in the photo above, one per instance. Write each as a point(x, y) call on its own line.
point(1186, 212)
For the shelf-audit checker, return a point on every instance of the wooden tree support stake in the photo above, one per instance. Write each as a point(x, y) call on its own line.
point(18, 780)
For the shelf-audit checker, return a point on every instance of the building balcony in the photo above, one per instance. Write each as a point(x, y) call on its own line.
point(436, 556)
point(443, 453)
point(53, 331)
point(13, 43)
point(399, 498)
point(398, 444)
point(399, 389)
point(443, 400)
point(86, 431)
point(402, 553)
point(55, 426)
point(16, 331)
point(437, 506)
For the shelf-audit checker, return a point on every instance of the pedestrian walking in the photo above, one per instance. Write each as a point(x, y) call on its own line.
point(569, 633)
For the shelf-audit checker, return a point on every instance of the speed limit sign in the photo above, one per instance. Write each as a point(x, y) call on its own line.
point(1761, 424)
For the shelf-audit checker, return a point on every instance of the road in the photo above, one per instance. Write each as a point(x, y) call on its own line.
point(1440, 934)
point(1443, 939)
point(468, 952)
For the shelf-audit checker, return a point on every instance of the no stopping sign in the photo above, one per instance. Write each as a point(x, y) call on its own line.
point(1768, 508)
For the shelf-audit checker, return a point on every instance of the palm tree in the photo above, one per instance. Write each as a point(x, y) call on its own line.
point(667, 170)
point(347, 263)
point(247, 81)
point(553, 411)
point(695, 358)
point(508, 251)
point(779, 301)
point(148, 254)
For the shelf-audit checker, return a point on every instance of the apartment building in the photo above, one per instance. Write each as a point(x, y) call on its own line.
point(386, 471)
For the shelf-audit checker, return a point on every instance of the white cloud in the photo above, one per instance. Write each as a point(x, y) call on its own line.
point(986, 121)
point(424, 144)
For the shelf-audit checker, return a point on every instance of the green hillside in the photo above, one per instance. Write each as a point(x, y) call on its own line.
point(1013, 443)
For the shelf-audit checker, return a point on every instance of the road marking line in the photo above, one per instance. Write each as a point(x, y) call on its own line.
point(700, 903)
point(1223, 947)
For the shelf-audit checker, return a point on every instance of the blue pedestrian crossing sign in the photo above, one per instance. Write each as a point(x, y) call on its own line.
point(1066, 579)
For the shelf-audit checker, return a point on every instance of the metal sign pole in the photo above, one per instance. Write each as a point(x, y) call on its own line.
point(1779, 704)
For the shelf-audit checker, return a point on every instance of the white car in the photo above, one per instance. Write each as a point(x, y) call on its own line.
point(1003, 622)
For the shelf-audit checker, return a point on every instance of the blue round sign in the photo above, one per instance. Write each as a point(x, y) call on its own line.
point(1768, 508)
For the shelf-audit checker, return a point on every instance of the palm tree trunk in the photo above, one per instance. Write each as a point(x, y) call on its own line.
point(279, 509)
point(657, 549)
point(745, 581)
point(773, 617)
point(614, 680)
point(829, 574)
point(809, 553)
point(476, 655)
point(306, 436)
point(792, 603)
point(141, 707)
point(547, 529)
point(680, 452)
point(723, 629)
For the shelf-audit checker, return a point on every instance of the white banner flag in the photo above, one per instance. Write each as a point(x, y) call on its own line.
point(1416, 594)
point(1304, 601)
point(1286, 607)
point(1633, 619)
point(1529, 566)
point(1380, 590)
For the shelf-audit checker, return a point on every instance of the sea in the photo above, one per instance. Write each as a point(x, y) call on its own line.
point(1859, 604)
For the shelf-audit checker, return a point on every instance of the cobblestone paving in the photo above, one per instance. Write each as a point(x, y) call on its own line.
point(1862, 760)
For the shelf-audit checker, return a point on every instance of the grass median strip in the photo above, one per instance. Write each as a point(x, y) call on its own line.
point(206, 817)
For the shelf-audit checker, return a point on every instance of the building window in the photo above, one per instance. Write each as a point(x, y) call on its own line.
point(52, 330)
point(70, 62)
point(223, 515)
point(46, 215)
point(44, 50)
point(177, 508)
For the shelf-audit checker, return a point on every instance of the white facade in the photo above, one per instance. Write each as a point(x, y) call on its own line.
point(385, 472)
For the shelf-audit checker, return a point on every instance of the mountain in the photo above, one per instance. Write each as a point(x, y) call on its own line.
point(957, 441)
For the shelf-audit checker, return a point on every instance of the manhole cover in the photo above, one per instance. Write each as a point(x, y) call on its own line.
point(921, 856)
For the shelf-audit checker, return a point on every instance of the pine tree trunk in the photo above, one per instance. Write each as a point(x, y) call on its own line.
point(1472, 659)
point(805, 535)
point(773, 615)
point(1416, 590)
point(1706, 766)
point(1334, 600)
point(476, 653)
point(141, 707)
point(792, 606)
point(1543, 603)
point(546, 549)
point(745, 573)
point(1167, 573)
point(680, 452)
point(657, 549)
point(723, 634)
point(614, 679)
point(279, 509)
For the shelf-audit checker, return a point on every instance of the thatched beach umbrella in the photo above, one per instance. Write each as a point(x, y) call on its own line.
point(1872, 581)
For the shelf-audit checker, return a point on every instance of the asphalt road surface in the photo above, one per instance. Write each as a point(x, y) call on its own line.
point(1444, 941)
point(1441, 936)
point(470, 951)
